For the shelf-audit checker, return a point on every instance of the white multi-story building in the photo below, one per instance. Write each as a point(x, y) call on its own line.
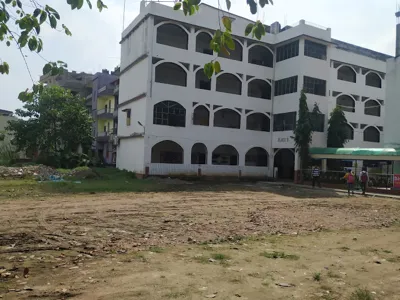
point(173, 120)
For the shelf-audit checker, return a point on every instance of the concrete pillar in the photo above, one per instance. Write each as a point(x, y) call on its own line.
point(245, 55)
point(297, 170)
point(187, 154)
point(324, 166)
point(192, 40)
point(271, 164)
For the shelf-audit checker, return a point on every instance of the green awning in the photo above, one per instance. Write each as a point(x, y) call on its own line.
point(356, 151)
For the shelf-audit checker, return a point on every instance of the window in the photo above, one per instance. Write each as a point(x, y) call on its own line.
point(202, 81)
point(199, 154)
point(228, 83)
point(172, 35)
point(286, 86)
point(234, 54)
point(225, 155)
point(346, 103)
point(315, 50)
point(346, 73)
point(227, 118)
point(170, 73)
point(259, 89)
point(201, 116)
point(372, 108)
point(167, 152)
point(256, 157)
point(128, 117)
point(203, 43)
point(258, 122)
point(287, 51)
point(371, 134)
point(318, 122)
point(259, 55)
point(314, 86)
point(169, 113)
point(373, 79)
point(285, 121)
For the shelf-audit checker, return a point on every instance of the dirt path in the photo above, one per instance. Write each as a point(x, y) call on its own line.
point(113, 232)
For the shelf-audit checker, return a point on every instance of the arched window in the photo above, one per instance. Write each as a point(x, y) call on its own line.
point(347, 74)
point(258, 122)
point(202, 81)
point(229, 83)
point(259, 89)
point(227, 118)
point(349, 132)
point(203, 43)
point(259, 55)
point(234, 54)
point(199, 154)
point(172, 35)
point(372, 108)
point(256, 156)
point(170, 73)
point(169, 113)
point(373, 79)
point(167, 152)
point(201, 116)
point(371, 134)
point(225, 155)
point(346, 103)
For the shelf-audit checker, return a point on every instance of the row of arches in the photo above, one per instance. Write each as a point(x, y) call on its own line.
point(370, 134)
point(175, 35)
point(171, 113)
point(348, 103)
point(175, 74)
point(348, 73)
point(170, 152)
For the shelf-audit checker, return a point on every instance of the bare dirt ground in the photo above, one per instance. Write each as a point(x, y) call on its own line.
point(263, 243)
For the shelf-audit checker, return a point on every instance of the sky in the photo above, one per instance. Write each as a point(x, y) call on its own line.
point(94, 44)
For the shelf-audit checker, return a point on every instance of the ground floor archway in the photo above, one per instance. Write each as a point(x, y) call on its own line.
point(284, 161)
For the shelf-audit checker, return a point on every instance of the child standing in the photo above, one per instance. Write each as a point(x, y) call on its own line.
point(350, 179)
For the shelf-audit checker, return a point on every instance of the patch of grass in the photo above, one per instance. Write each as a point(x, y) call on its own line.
point(332, 274)
point(387, 251)
point(201, 259)
point(175, 295)
point(395, 259)
point(156, 249)
point(140, 257)
point(361, 294)
point(317, 276)
point(277, 254)
point(220, 256)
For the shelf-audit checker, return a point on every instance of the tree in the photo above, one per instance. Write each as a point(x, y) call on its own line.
point(54, 123)
point(337, 129)
point(21, 23)
point(303, 131)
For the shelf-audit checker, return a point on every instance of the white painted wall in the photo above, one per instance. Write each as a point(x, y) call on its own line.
point(392, 132)
point(130, 155)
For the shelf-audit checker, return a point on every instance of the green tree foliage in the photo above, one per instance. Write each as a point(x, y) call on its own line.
point(222, 41)
point(21, 24)
point(53, 123)
point(303, 131)
point(337, 130)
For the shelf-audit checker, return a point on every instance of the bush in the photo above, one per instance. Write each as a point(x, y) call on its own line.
point(8, 155)
point(63, 160)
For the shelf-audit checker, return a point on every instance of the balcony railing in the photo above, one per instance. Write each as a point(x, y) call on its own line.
point(104, 136)
point(105, 113)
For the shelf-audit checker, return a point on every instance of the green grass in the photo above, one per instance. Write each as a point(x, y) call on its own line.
point(277, 254)
point(361, 294)
point(220, 256)
point(395, 259)
point(156, 249)
point(107, 180)
point(317, 276)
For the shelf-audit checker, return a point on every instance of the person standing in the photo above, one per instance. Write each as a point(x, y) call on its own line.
point(315, 173)
point(350, 179)
point(364, 179)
